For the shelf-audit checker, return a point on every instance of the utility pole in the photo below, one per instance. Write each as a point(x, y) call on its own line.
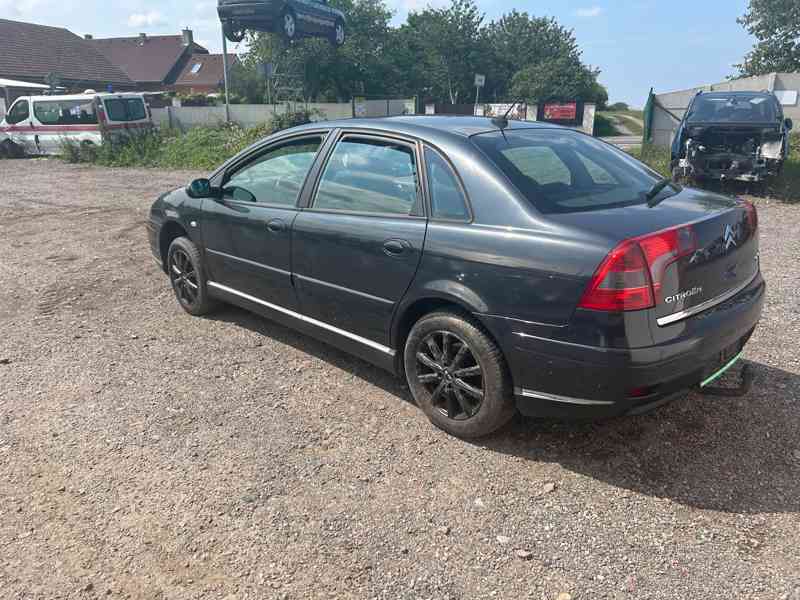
point(225, 71)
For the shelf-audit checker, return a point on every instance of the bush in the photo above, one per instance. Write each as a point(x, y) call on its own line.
point(200, 148)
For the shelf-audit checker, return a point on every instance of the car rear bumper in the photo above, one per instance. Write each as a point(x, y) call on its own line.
point(264, 10)
point(559, 379)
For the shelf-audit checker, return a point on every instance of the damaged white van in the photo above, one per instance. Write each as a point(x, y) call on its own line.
point(41, 125)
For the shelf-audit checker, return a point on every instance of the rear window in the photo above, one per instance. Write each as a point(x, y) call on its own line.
point(733, 109)
point(65, 112)
point(125, 109)
point(562, 171)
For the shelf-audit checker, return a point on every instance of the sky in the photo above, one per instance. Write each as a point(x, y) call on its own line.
point(636, 44)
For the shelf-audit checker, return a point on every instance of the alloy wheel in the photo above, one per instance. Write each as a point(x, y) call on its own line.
point(339, 34)
point(450, 373)
point(184, 277)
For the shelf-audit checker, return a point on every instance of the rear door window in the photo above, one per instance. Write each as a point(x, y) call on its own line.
point(125, 109)
point(367, 175)
point(447, 197)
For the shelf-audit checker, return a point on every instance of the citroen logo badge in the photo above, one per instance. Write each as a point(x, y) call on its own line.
point(729, 237)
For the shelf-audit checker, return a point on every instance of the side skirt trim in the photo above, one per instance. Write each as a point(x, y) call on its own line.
point(561, 399)
point(304, 318)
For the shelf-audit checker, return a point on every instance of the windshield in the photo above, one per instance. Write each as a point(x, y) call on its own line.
point(562, 171)
point(733, 109)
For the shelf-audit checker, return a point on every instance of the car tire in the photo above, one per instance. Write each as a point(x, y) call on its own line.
point(289, 25)
point(187, 276)
point(233, 31)
point(458, 376)
point(339, 35)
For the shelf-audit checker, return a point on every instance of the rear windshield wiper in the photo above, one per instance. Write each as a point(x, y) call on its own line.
point(656, 190)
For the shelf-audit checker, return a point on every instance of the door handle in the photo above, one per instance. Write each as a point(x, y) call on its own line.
point(395, 247)
point(276, 226)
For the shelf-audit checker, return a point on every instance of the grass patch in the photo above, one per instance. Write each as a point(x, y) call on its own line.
point(200, 148)
point(633, 124)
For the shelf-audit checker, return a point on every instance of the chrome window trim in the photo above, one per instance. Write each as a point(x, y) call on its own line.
point(304, 318)
point(689, 312)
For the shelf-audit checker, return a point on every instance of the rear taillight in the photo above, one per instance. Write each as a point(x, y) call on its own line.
point(631, 276)
point(752, 215)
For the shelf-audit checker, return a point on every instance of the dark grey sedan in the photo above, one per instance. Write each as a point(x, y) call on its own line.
point(293, 18)
point(496, 266)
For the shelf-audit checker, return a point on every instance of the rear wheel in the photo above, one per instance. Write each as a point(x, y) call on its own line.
point(187, 276)
point(458, 376)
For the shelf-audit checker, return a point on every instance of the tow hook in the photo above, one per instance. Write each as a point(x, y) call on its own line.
point(742, 388)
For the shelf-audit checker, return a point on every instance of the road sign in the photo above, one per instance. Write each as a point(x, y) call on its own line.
point(480, 80)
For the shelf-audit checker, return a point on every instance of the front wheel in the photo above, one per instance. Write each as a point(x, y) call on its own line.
point(187, 276)
point(233, 31)
point(458, 375)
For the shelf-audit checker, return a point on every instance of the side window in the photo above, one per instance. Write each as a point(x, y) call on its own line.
point(370, 176)
point(275, 177)
point(447, 198)
point(18, 113)
point(65, 112)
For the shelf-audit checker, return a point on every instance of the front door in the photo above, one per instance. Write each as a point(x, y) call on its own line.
point(247, 232)
point(357, 248)
point(19, 126)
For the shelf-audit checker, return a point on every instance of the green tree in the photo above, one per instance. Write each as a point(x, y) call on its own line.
point(776, 26)
point(442, 49)
point(519, 41)
point(560, 78)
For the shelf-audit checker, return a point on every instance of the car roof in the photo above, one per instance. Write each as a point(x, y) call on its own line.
point(723, 94)
point(87, 97)
point(424, 126)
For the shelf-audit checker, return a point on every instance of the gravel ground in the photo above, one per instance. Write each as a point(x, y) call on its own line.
point(148, 454)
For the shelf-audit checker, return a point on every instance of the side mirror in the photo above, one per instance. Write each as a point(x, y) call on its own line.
point(200, 188)
point(789, 124)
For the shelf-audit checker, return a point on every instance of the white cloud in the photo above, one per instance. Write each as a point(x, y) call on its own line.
point(19, 8)
point(148, 19)
point(594, 11)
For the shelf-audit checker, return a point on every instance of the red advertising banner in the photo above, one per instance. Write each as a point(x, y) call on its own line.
point(561, 112)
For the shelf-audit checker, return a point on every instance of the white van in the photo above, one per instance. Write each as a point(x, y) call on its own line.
point(41, 124)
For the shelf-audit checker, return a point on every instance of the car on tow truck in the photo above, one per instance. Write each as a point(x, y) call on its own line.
point(498, 266)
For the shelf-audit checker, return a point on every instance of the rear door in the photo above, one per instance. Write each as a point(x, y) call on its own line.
point(247, 233)
point(126, 113)
point(357, 247)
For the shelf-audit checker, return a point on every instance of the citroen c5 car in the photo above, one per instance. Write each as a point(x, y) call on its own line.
point(497, 266)
point(293, 18)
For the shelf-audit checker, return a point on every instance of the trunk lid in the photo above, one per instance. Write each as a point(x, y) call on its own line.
point(724, 258)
